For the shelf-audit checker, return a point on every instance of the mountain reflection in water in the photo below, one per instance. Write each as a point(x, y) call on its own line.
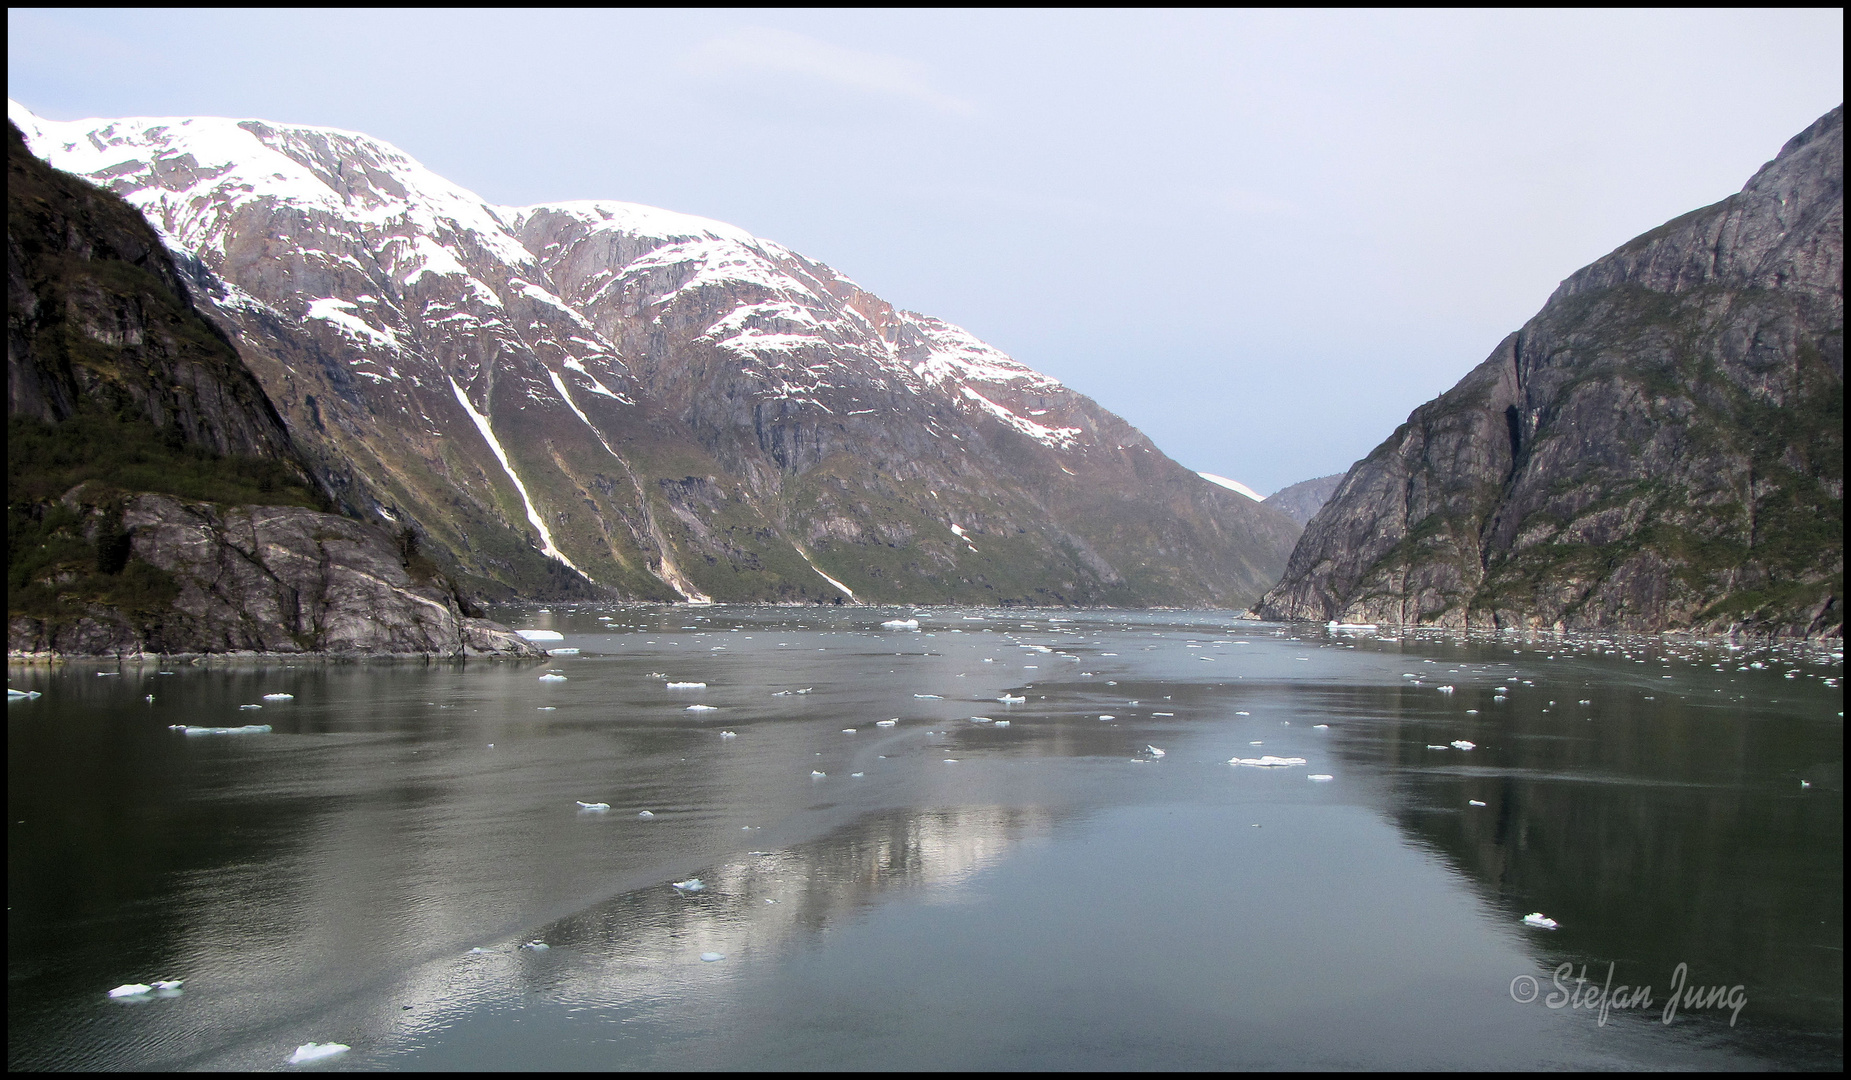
point(1041, 895)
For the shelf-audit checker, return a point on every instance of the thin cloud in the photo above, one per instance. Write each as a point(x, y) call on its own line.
point(759, 50)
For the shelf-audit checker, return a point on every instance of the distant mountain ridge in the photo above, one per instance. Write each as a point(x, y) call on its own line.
point(664, 404)
point(1302, 501)
point(1661, 447)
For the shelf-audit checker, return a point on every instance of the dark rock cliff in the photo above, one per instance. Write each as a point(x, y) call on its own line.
point(1302, 501)
point(1661, 447)
point(121, 396)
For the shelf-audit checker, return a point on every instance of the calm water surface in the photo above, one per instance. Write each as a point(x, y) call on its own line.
point(949, 892)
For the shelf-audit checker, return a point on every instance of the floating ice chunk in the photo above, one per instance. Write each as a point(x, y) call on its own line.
point(594, 806)
point(562, 652)
point(1107, 716)
point(541, 635)
point(1474, 802)
point(308, 1052)
point(1321, 727)
point(273, 697)
point(1471, 712)
point(900, 624)
point(20, 695)
point(1334, 625)
point(250, 706)
point(806, 689)
point(1320, 776)
point(248, 729)
point(711, 957)
point(1444, 689)
point(480, 951)
point(550, 677)
point(928, 696)
point(1241, 713)
point(1464, 745)
point(1163, 714)
point(817, 774)
point(1537, 918)
point(1804, 784)
point(1584, 701)
point(857, 775)
point(1153, 751)
point(168, 984)
point(131, 990)
point(981, 720)
point(692, 885)
point(687, 686)
point(646, 814)
point(848, 731)
point(1431, 746)
point(1267, 761)
point(702, 708)
point(537, 946)
point(1002, 723)
point(951, 761)
point(729, 734)
point(887, 723)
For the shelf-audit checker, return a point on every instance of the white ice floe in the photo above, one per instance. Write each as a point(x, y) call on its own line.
point(938, 696)
point(1464, 745)
point(702, 708)
point(1474, 802)
point(900, 624)
point(1107, 716)
point(691, 885)
point(1153, 751)
point(1321, 727)
point(729, 734)
point(981, 720)
point(1537, 918)
point(1011, 699)
point(550, 677)
point(1334, 625)
point(562, 652)
point(279, 697)
point(248, 729)
point(594, 806)
point(131, 990)
point(951, 761)
point(710, 957)
point(541, 635)
point(848, 731)
point(817, 774)
point(1320, 776)
point(250, 706)
point(537, 946)
point(1267, 761)
point(1005, 723)
point(887, 723)
point(1444, 689)
point(687, 686)
point(645, 813)
point(316, 1051)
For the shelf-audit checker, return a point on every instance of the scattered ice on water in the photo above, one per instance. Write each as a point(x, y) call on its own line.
point(541, 635)
point(1267, 761)
point(316, 1051)
point(901, 624)
point(1464, 745)
point(687, 686)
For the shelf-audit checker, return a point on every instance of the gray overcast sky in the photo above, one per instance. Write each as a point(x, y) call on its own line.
point(1263, 237)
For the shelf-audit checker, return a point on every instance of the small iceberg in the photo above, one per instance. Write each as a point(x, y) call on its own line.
point(817, 774)
point(848, 731)
point(729, 734)
point(1444, 689)
point(250, 706)
point(550, 677)
point(541, 635)
point(940, 697)
point(687, 686)
point(562, 652)
point(1335, 625)
point(900, 624)
point(537, 946)
point(646, 814)
point(1463, 745)
point(981, 720)
point(1011, 699)
point(856, 775)
point(20, 695)
point(1153, 751)
point(887, 723)
point(308, 1052)
point(1107, 716)
point(1005, 723)
point(248, 729)
point(1321, 727)
point(1537, 918)
point(279, 697)
point(692, 885)
point(711, 957)
point(594, 806)
point(1474, 802)
point(1320, 776)
point(1267, 761)
point(131, 990)
point(702, 708)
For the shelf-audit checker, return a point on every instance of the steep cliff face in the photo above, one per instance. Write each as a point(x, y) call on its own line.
point(666, 405)
point(118, 387)
point(1661, 447)
point(1302, 501)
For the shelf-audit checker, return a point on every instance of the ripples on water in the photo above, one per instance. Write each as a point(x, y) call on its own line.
point(1045, 894)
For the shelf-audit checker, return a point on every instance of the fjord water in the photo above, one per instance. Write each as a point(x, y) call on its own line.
point(944, 892)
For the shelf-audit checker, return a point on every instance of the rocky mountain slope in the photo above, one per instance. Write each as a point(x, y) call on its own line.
point(603, 398)
point(117, 388)
point(1662, 446)
point(1302, 501)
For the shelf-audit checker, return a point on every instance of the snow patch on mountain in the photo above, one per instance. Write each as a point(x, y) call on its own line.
point(1232, 485)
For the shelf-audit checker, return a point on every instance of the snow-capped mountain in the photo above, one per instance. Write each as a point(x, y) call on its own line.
point(667, 405)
